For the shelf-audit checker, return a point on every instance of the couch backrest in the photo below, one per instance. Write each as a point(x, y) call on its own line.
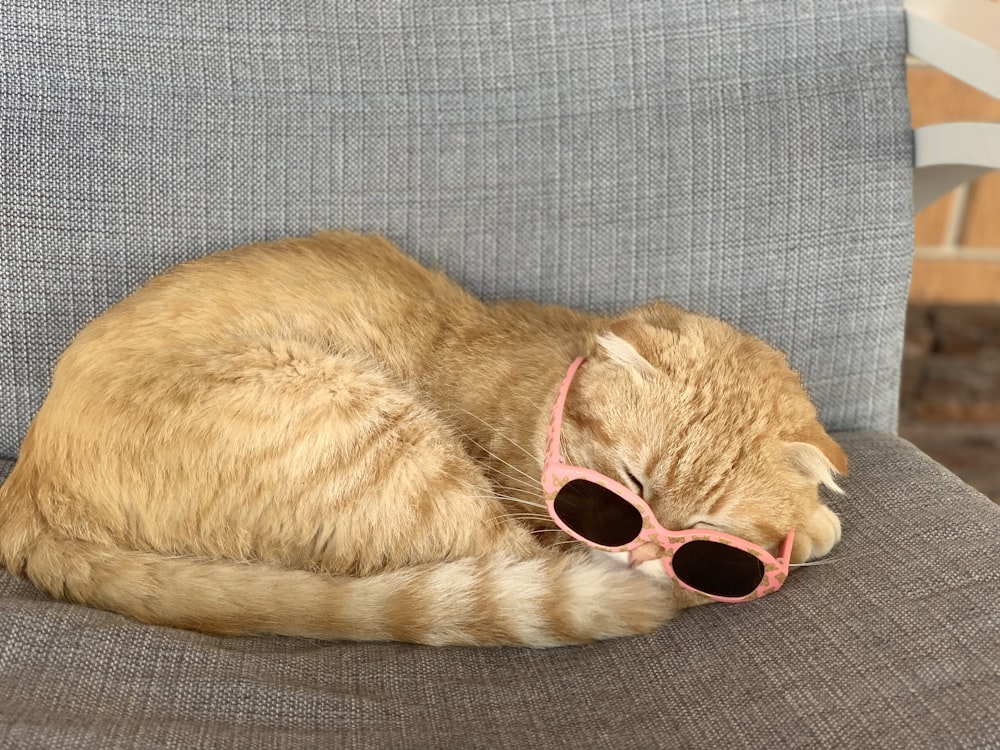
point(749, 159)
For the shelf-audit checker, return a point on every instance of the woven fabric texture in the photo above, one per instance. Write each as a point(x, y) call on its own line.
point(749, 159)
point(892, 644)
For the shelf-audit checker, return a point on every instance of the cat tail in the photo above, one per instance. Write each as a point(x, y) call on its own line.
point(550, 600)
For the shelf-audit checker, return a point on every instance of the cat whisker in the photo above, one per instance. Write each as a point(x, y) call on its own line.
point(532, 504)
point(498, 458)
point(517, 480)
point(829, 560)
point(528, 481)
point(518, 501)
point(569, 456)
point(541, 409)
point(512, 499)
point(503, 498)
point(460, 481)
point(496, 496)
point(510, 440)
point(488, 496)
point(524, 516)
point(499, 495)
point(498, 521)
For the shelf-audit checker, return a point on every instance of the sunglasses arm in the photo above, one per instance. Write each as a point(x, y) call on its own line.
point(553, 452)
point(785, 553)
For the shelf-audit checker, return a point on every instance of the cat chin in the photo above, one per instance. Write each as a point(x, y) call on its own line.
point(619, 558)
point(651, 568)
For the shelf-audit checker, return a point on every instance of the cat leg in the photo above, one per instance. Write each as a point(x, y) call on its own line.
point(339, 468)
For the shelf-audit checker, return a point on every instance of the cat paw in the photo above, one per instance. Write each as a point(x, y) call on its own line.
point(638, 605)
point(817, 536)
point(608, 600)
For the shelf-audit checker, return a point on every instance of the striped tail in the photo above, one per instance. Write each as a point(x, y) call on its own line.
point(550, 600)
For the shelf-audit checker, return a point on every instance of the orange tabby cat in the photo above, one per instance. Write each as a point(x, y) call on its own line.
point(319, 437)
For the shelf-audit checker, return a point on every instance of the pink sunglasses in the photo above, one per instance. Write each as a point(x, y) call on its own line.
point(606, 515)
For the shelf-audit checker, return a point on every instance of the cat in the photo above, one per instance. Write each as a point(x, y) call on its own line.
point(320, 437)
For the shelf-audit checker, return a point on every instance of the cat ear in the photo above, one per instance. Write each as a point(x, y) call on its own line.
point(621, 351)
point(660, 315)
point(812, 463)
point(829, 448)
point(815, 435)
point(617, 344)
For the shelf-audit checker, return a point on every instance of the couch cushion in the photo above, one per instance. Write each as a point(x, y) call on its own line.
point(750, 159)
point(893, 643)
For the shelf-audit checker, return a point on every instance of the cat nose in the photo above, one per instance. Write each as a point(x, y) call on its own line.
point(644, 553)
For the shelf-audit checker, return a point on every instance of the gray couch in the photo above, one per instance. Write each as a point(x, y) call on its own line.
point(751, 159)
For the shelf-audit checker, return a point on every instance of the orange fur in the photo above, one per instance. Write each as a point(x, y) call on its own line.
point(321, 437)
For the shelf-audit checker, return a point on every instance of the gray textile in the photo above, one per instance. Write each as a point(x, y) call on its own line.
point(745, 158)
point(749, 159)
point(893, 645)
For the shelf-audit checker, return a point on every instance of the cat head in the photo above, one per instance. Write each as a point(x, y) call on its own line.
point(709, 425)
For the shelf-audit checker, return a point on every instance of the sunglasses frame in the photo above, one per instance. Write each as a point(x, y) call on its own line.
point(556, 473)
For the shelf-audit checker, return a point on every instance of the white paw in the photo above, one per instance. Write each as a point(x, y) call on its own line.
point(817, 536)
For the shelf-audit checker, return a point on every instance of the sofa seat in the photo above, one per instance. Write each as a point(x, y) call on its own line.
point(891, 642)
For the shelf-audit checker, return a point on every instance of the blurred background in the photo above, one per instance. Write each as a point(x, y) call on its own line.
point(950, 401)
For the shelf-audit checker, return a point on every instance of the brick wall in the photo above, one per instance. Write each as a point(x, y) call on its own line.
point(950, 394)
point(957, 237)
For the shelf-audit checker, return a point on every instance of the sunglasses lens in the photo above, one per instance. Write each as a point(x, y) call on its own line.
point(717, 569)
point(597, 514)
